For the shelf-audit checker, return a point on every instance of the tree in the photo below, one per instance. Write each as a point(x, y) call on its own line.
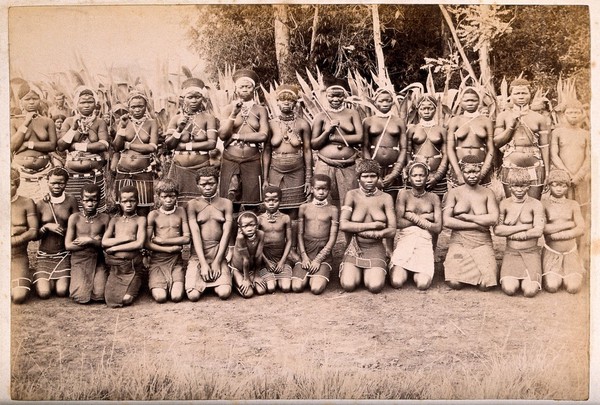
point(285, 68)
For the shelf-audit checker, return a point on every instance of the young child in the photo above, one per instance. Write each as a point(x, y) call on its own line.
point(368, 217)
point(521, 221)
point(84, 240)
point(24, 228)
point(277, 244)
point(210, 220)
point(53, 268)
point(247, 255)
point(561, 262)
point(122, 242)
point(419, 218)
point(167, 232)
point(317, 233)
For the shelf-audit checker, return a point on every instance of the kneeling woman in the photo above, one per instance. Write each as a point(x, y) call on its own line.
point(368, 218)
point(469, 211)
point(419, 215)
point(210, 218)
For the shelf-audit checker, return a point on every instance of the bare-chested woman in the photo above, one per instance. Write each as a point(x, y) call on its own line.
point(137, 142)
point(287, 157)
point(191, 134)
point(427, 144)
point(243, 133)
point(522, 136)
point(336, 133)
point(210, 219)
point(562, 265)
point(469, 211)
point(85, 138)
point(385, 141)
point(32, 139)
point(368, 218)
point(521, 221)
point(419, 216)
point(470, 133)
point(24, 225)
point(570, 151)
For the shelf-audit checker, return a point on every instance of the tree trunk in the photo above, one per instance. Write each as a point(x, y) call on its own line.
point(313, 37)
point(484, 54)
point(282, 44)
point(461, 50)
point(377, 41)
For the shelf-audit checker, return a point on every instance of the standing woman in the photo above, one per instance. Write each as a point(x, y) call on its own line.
point(243, 134)
point(287, 157)
point(191, 134)
point(32, 139)
point(336, 133)
point(136, 140)
point(85, 138)
point(427, 144)
point(470, 133)
point(522, 136)
point(385, 141)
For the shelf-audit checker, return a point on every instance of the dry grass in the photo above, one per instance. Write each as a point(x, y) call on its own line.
point(141, 375)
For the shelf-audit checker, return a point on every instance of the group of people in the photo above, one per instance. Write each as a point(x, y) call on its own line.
point(259, 199)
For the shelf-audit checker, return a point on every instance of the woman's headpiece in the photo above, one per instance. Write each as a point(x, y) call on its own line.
point(245, 74)
point(193, 85)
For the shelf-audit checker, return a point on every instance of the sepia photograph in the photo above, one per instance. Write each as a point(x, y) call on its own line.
point(299, 201)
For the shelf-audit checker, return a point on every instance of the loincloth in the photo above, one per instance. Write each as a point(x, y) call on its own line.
point(414, 251)
point(125, 277)
point(240, 178)
point(365, 255)
point(193, 280)
point(52, 266)
point(312, 248)
point(274, 253)
point(165, 269)
point(287, 172)
point(522, 264)
point(562, 264)
point(20, 274)
point(84, 265)
point(470, 258)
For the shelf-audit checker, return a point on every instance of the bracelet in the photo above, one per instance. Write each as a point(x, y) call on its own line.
point(188, 146)
point(177, 135)
point(30, 145)
point(232, 118)
point(511, 128)
point(127, 145)
point(23, 128)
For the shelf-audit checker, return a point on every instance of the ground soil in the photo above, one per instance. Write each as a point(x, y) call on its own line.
point(397, 329)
